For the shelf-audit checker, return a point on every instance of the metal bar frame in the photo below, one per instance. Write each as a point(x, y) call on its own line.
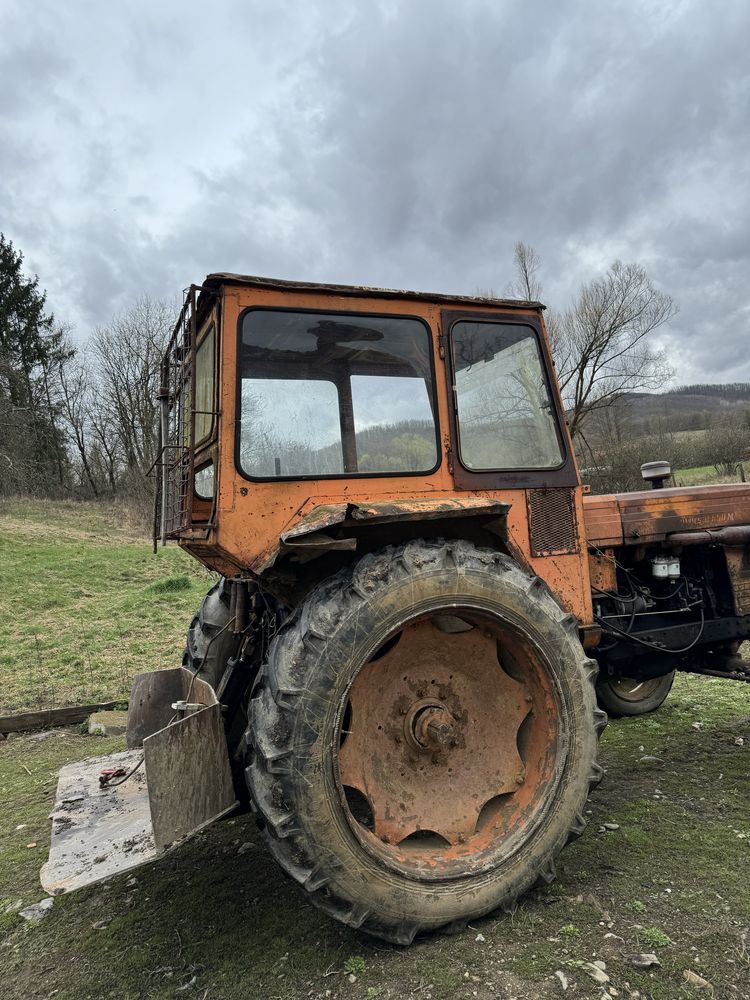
point(174, 467)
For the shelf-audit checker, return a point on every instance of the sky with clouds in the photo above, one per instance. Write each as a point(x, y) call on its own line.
point(403, 143)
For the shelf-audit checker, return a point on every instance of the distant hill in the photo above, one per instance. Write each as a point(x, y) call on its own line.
point(686, 408)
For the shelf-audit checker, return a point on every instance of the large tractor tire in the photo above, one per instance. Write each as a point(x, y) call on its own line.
point(624, 696)
point(210, 640)
point(422, 738)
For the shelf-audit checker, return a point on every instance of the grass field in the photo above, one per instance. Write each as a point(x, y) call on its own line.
point(215, 920)
point(701, 475)
point(86, 605)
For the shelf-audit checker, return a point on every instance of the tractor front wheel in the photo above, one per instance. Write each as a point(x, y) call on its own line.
point(623, 696)
point(422, 738)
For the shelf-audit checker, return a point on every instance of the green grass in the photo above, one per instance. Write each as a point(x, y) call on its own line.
point(230, 925)
point(702, 475)
point(654, 937)
point(86, 604)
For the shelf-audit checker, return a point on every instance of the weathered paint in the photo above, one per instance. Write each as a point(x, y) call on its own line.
point(738, 567)
point(603, 570)
point(251, 517)
point(650, 516)
point(389, 759)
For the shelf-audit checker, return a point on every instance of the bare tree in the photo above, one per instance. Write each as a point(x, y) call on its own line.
point(106, 450)
point(128, 353)
point(77, 404)
point(526, 284)
point(601, 345)
point(726, 444)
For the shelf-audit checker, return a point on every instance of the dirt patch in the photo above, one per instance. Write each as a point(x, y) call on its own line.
point(670, 877)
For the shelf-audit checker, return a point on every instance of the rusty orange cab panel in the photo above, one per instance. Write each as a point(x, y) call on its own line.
point(252, 522)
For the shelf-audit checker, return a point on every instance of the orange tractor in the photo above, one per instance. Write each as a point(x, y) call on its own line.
point(418, 605)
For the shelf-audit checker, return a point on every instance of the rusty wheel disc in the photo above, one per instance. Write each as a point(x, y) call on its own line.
point(447, 745)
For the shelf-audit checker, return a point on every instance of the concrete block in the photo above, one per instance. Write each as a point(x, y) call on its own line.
point(108, 723)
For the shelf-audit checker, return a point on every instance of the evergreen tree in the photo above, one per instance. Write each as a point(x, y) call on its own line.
point(33, 457)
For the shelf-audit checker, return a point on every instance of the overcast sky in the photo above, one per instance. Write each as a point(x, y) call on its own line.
point(405, 143)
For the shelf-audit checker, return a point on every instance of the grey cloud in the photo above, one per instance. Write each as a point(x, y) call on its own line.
point(404, 144)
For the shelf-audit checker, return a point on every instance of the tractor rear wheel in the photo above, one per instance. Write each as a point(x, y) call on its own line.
point(422, 738)
point(627, 696)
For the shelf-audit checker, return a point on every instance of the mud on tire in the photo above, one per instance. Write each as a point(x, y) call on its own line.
point(295, 733)
point(210, 643)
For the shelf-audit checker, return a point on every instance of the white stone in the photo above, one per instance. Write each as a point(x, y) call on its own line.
point(563, 979)
point(37, 911)
point(644, 960)
point(597, 974)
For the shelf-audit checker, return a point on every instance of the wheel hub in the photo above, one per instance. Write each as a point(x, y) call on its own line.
point(433, 729)
point(429, 726)
point(432, 735)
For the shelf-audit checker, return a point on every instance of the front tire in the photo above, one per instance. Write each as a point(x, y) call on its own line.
point(626, 696)
point(410, 787)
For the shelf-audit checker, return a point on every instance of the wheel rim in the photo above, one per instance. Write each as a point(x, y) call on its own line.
point(633, 690)
point(448, 742)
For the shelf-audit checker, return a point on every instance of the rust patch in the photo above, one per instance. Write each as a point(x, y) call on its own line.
point(432, 735)
point(603, 571)
point(650, 515)
point(323, 516)
point(738, 566)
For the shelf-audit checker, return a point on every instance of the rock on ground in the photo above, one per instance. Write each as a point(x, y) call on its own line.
point(37, 911)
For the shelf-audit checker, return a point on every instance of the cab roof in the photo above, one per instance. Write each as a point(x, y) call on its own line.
point(214, 281)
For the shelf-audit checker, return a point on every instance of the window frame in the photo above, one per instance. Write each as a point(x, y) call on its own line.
point(203, 448)
point(432, 397)
point(564, 474)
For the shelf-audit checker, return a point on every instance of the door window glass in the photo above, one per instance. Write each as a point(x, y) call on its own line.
point(506, 419)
